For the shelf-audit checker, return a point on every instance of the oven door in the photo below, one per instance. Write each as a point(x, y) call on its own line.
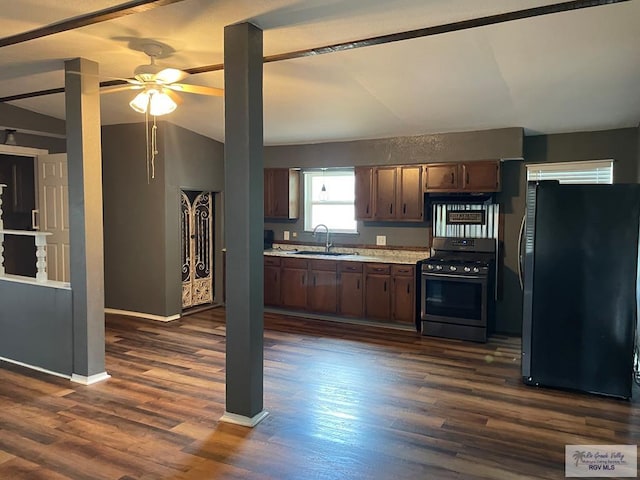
point(451, 298)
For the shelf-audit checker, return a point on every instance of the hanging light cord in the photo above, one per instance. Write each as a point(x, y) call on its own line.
point(154, 147)
point(146, 133)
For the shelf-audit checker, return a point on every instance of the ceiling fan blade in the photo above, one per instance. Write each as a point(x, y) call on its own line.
point(199, 89)
point(119, 88)
point(174, 96)
point(170, 75)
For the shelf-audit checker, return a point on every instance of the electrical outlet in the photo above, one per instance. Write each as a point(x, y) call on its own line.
point(381, 239)
point(286, 234)
point(294, 234)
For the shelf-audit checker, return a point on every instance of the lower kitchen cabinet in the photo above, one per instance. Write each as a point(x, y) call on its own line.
point(293, 283)
point(350, 289)
point(377, 291)
point(323, 286)
point(272, 281)
point(403, 294)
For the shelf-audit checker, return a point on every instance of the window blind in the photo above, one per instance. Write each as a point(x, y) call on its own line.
point(593, 171)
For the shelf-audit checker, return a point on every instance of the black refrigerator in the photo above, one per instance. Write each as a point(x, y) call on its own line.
point(580, 304)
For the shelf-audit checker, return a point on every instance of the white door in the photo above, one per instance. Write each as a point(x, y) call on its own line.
point(53, 212)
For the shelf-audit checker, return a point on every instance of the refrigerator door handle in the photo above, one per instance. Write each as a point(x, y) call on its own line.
point(520, 255)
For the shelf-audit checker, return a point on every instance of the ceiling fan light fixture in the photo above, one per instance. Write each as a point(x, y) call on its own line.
point(156, 101)
point(161, 104)
point(140, 102)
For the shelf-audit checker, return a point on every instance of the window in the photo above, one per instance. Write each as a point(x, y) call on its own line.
point(329, 197)
point(595, 171)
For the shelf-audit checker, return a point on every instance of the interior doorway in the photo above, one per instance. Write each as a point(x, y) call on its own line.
point(19, 208)
point(197, 211)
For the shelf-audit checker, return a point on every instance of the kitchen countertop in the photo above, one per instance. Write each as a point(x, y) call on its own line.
point(405, 257)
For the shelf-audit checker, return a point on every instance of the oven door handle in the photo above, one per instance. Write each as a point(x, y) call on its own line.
point(457, 277)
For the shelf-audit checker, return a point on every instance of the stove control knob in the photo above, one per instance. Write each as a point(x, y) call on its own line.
point(467, 269)
point(438, 267)
point(430, 267)
point(476, 269)
point(453, 268)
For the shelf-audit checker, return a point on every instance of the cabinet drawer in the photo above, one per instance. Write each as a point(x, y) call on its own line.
point(350, 267)
point(327, 265)
point(379, 268)
point(272, 261)
point(403, 270)
point(295, 263)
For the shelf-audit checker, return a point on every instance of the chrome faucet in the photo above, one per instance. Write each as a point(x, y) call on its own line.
point(327, 245)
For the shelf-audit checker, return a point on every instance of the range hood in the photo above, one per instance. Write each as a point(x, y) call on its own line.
point(458, 197)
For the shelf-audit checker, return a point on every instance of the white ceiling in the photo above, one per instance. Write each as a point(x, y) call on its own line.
point(572, 71)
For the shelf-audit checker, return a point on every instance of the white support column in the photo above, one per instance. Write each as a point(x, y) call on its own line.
point(2, 185)
point(41, 257)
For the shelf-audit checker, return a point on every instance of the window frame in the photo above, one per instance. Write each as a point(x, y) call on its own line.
point(575, 172)
point(307, 176)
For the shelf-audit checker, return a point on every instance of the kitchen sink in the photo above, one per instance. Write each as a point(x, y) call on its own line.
point(315, 252)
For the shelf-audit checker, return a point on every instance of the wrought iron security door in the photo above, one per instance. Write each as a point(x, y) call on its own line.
point(197, 248)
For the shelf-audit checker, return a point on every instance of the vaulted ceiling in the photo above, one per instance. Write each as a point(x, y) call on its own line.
point(570, 71)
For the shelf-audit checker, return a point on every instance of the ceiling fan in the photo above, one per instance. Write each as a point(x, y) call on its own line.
point(159, 85)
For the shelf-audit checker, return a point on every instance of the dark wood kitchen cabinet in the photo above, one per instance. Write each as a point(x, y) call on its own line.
point(398, 193)
point(476, 177)
point(364, 193)
point(323, 286)
point(384, 188)
point(281, 193)
point(272, 281)
point(403, 298)
point(378, 291)
point(410, 194)
point(481, 176)
point(294, 282)
point(350, 289)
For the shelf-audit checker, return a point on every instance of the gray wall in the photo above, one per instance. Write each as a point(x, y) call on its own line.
point(193, 162)
point(142, 218)
point(36, 326)
point(447, 147)
point(34, 129)
point(620, 145)
point(134, 227)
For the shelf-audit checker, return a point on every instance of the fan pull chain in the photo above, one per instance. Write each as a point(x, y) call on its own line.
point(154, 147)
point(146, 133)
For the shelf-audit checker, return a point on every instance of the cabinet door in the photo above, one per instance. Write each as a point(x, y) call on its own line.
point(293, 284)
point(363, 192)
point(385, 193)
point(268, 187)
point(441, 177)
point(403, 299)
point(481, 176)
point(280, 193)
point(323, 291)
point(378, 296)
point(410, 193)
point(272, 285)
point(350, 294)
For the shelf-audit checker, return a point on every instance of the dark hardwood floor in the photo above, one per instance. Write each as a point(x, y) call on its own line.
point(345, 402)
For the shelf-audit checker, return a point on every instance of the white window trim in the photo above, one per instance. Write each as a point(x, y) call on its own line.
point(595, 171)
point(307, 174)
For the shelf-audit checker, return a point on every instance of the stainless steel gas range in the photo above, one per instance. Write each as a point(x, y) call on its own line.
point(457, 288)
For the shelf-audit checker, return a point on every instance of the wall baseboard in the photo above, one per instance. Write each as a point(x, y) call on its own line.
point(242, 420)
point(147, 316)
point(91, 379)
point(33, 367)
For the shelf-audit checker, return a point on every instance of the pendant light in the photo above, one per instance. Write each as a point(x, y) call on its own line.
point(324, 195)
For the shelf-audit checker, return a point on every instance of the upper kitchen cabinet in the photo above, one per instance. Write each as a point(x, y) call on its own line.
point(480, 176)
point(364, 193)
point(390, 193)
point(281, 193)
